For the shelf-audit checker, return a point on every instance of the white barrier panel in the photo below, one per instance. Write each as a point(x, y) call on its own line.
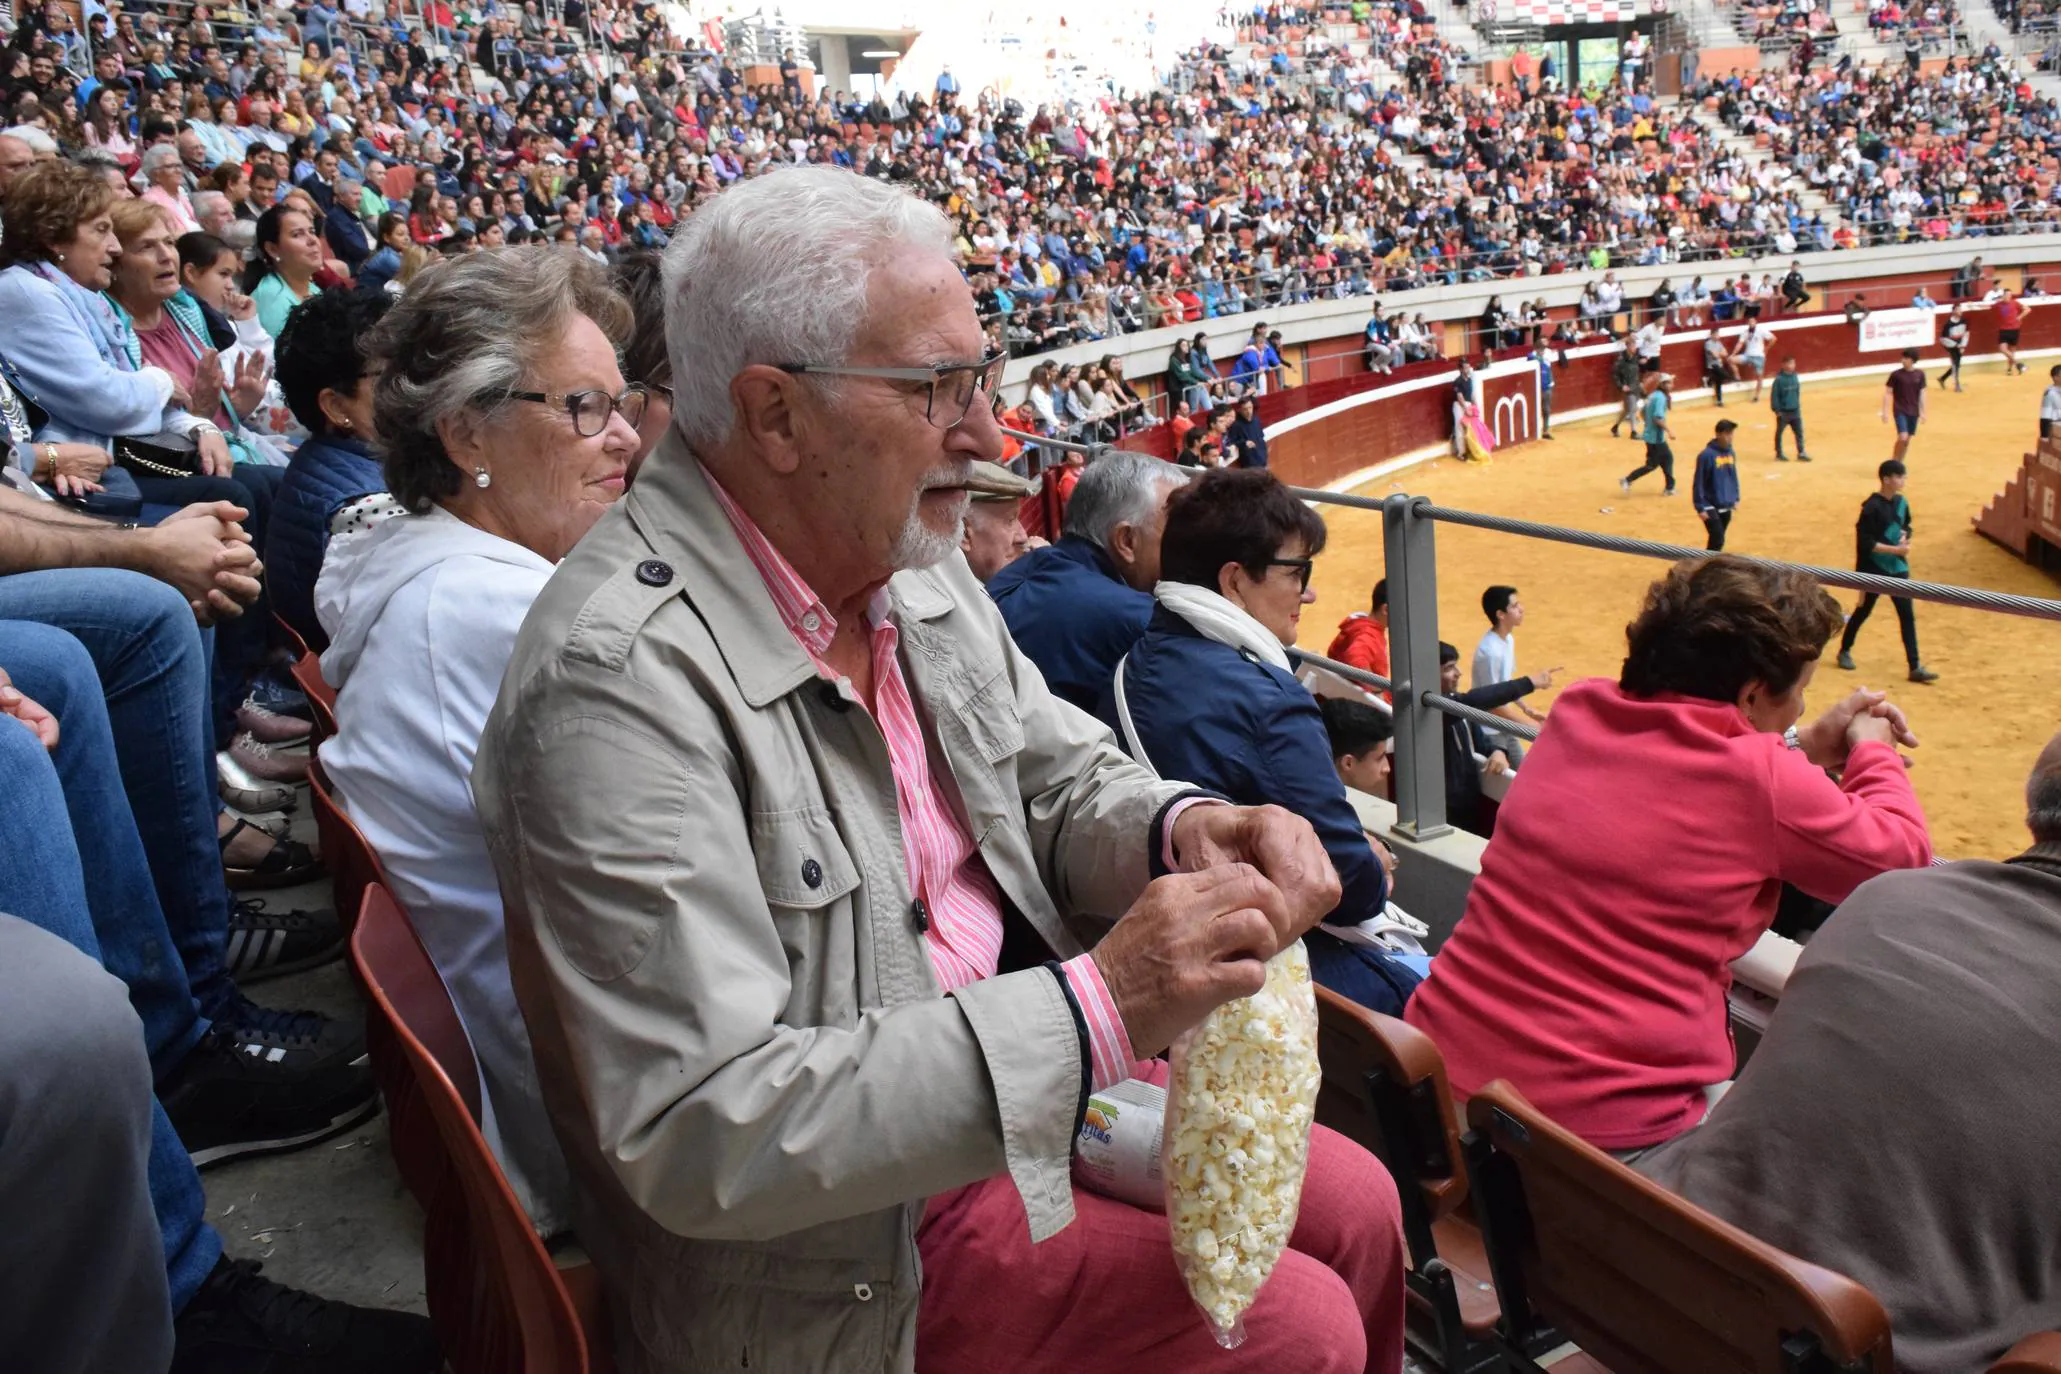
point(1886, 330)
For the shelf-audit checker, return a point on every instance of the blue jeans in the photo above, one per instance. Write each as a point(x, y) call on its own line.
point(105, 909)
point(153, 676)
point(1373, 978)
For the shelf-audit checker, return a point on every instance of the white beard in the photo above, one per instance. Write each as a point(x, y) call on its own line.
point(916, 544)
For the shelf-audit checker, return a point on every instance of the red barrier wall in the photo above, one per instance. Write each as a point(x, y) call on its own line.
point(1408, 419)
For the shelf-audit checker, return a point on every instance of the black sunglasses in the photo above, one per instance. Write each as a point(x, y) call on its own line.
point(1303, 566)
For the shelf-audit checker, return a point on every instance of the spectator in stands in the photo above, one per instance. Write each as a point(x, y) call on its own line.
point(1928, 993)
point(284, 260)
point(690, 1075)
point(166, 188)
point(1078, 606)
point(1966, 283)
point(67, 345)
point(334, 485)
point(1716, 487)
point(1209, 695)
point(1590, 966)
point(115, 698)
point(994, 536)
point(637, 277)
point(1362, 638)
point(1495, 660)
point(1360, 736)
point(1471, 750)
point(1247, 437)
point(505, 431)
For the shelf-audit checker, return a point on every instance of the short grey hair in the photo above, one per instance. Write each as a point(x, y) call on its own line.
point(40, 143)
point(2043, 803)
point(204, 202)
point(1119, 488)
point(774, 270)
point(160, 155)
point(469, 330)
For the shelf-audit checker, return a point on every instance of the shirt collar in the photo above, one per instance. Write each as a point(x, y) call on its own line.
point(801, 610)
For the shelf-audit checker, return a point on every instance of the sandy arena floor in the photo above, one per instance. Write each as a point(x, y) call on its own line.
point(1999, 694)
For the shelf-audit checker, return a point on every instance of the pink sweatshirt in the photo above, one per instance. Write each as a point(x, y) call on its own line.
point(1638, 854)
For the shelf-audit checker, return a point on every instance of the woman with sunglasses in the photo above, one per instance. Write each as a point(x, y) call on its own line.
point(506, 430)
point(1209, 695)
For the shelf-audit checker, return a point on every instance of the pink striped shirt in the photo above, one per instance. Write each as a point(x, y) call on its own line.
point(953, 887)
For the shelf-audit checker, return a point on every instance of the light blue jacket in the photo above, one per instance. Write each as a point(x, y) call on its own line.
point(78, 374)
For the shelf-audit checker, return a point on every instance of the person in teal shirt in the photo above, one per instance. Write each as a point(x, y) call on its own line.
point(1882, 545)
point(1785, 397)
point(281, 274)
point(1653, 415)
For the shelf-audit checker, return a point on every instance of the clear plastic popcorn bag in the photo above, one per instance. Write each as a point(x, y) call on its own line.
point(1240, 1102)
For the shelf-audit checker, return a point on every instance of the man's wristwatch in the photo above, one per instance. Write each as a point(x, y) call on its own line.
point(1791, 738)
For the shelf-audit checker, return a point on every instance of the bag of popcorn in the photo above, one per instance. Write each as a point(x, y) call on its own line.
point(1240, 1102)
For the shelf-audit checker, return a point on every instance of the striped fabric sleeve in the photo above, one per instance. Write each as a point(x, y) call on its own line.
point(1109, 1045)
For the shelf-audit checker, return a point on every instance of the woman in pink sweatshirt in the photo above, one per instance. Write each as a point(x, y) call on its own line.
point(1644, 845)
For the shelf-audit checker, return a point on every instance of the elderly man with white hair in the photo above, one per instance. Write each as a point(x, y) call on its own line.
point(823, 914)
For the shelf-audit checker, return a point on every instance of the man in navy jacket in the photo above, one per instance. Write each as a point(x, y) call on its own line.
point(1717, 484)
point(1076, 607)
point(1248, 436)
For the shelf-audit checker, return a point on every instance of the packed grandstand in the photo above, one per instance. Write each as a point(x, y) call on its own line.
point(476, 460)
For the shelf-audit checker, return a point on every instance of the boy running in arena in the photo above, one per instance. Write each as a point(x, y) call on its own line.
point(1903, 397)
point(1786, 399)
point(1716, 486)
point(1882, 545)
point(1659, 457)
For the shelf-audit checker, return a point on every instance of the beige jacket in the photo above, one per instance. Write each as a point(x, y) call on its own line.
point(740, 1039)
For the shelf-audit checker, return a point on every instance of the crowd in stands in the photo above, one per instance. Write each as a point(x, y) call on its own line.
point(1906, 156)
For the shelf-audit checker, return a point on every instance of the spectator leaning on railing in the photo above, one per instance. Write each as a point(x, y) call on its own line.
point(1644, 849)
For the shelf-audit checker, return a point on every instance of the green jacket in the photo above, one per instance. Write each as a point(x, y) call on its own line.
point(1785, 395)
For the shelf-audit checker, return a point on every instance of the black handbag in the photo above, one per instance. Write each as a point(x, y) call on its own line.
point(163, 454)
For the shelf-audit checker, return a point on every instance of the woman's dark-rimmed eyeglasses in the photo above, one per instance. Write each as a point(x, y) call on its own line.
point(590, 409)
point(1302, 566)
point(949, 387)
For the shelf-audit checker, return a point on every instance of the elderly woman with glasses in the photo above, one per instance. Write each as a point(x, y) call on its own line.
point(505, 430)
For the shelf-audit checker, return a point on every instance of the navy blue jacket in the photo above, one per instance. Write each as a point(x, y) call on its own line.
point(1071, 615)
point(1717, 479)
point(1251, 438)
point(327, 473)
point(1210, 716)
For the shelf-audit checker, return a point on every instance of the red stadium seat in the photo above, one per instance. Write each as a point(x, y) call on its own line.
point(499, 1303)
point(307, 672)
point(352, 864)
point(2039, 1354)
point(1643, 1280)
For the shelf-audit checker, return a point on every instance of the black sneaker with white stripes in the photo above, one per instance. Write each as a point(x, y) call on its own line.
point(264, 943)
point(264, 1081)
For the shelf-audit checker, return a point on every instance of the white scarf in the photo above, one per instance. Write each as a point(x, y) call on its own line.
point(1218, 619)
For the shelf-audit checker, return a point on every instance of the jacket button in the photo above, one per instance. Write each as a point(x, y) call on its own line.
point(812, 873)
point(863, 1292)
point(653, 572)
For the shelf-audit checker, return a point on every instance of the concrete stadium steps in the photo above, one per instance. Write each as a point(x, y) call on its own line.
point(1743, 144)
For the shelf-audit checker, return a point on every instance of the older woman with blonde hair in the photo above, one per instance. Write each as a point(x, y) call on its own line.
point(505, 429)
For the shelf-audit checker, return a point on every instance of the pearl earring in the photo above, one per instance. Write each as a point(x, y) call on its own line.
point(481, 478)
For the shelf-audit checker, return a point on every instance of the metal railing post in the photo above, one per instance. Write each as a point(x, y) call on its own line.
point(1420, 770)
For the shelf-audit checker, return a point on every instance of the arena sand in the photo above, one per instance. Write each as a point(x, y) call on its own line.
point(1999, 694)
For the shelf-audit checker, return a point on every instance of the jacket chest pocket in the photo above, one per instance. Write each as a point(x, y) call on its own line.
point(808, 878)
point(987, 720)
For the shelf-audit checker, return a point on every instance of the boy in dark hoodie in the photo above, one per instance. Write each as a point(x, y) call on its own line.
point(1716, 489)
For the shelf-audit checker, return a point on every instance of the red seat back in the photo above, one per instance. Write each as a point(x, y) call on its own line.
point(499, 1303)
point(352, 864)
point(307, 673)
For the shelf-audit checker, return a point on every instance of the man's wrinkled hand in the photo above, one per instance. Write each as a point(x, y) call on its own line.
point(1191, 943)
point(1277, 842)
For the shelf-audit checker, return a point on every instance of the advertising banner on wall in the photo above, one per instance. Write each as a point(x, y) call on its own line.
point(1886, 330)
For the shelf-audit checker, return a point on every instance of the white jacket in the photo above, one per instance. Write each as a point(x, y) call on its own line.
point(422, 613)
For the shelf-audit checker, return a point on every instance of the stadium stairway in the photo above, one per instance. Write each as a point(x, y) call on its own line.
point(1743, 144)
